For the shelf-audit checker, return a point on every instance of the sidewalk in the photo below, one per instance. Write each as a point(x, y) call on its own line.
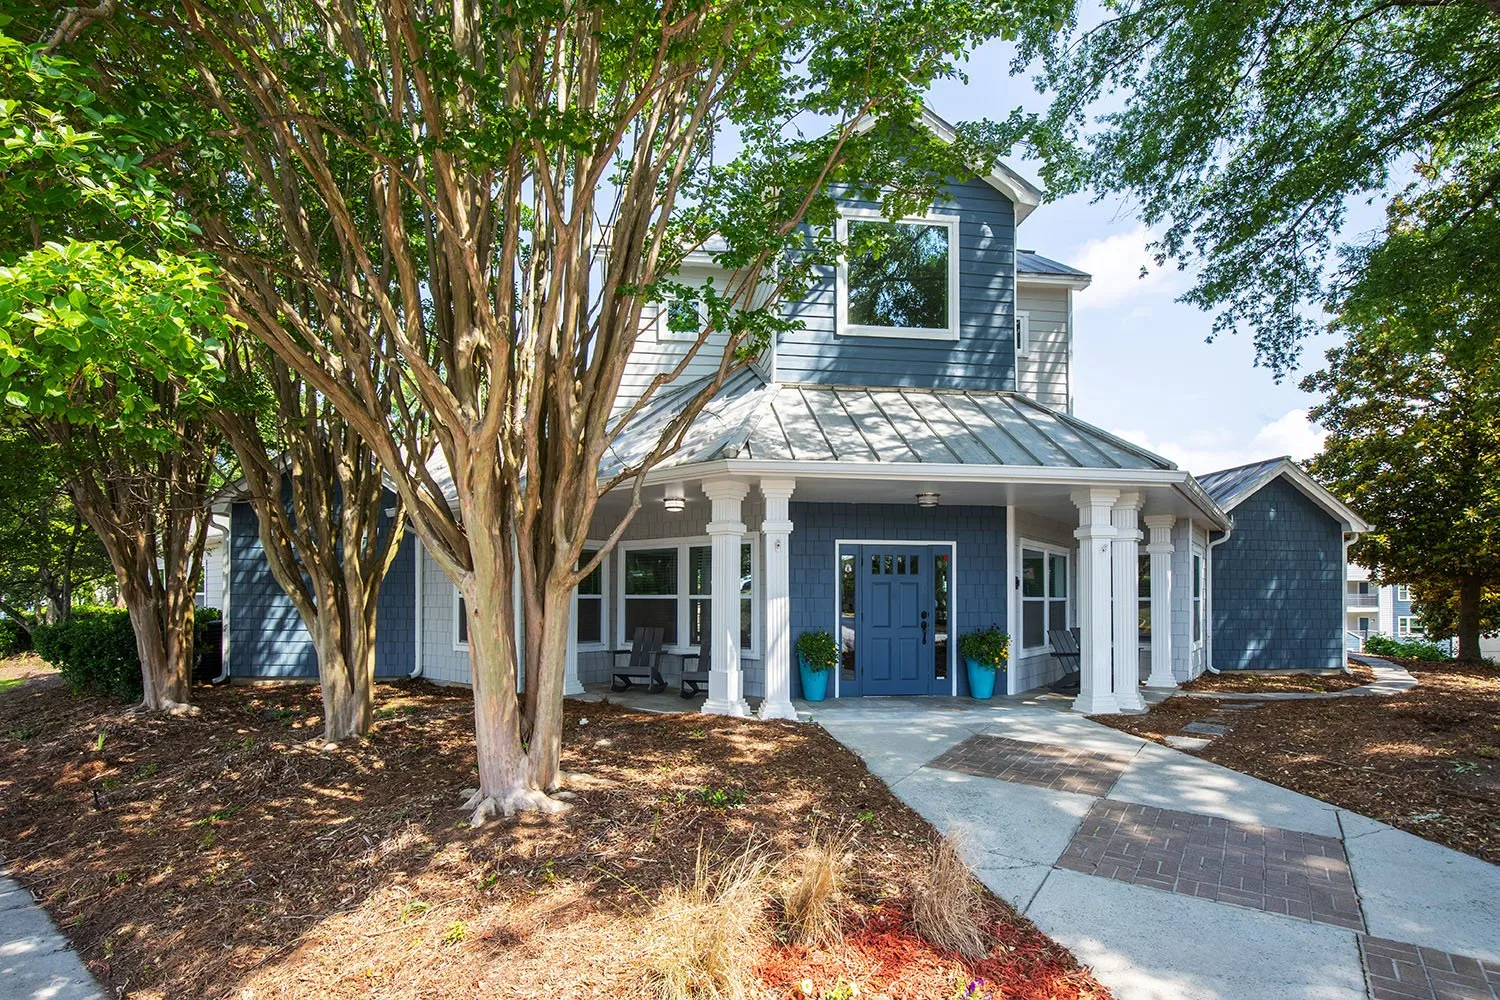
point(36, 962)
point(1176, 878)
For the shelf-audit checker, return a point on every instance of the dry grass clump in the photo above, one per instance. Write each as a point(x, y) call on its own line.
point(701, 939)
point(813, 886)
point(946, 908)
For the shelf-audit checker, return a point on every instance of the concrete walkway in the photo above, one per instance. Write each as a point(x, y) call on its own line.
point(36, 962)
point(1176, 878)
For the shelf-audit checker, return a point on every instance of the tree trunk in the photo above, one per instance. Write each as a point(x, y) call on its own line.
point(1470, 597)
point(165, 649)
point(346, 663)
point(551, 651)
point(508, 781)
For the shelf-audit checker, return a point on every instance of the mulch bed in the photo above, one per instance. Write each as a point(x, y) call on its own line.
point(1426, 761)
point(1250, 682)
point(226, 856)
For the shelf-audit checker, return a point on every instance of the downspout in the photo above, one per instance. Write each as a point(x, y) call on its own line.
point(417, 622)
point(1208, 599)
point(1350, 537)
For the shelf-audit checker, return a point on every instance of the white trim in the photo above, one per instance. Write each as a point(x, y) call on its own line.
point(682, 544)
point(665, 334)
point(1046, 548)
point(1310, 488)
point(459, 645)
point(603, 596)
point(838, 625)
point(1403, 592)
point(1406, 626)
point(1022, 334)
point(1199, 580)
point(1075, 283)
point(419, 620)
point(1012, 597)
point(842, 326)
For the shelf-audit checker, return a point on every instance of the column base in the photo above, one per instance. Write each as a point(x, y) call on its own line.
point(737, 708)
point(572, 686)
point(1130, 701)
point(1156, 680)
point(783, 710)
point(1098, 704)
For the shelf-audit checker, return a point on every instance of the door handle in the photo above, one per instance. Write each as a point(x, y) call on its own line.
point(924, 628)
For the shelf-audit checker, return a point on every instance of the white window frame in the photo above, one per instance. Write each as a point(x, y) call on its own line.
point(843, 327)
point(460, 645)
point(684, 598)
point(1403, 593)
point(1406, 626)
point(665, 334)
point(603, 598)
point(1047, 549)
point(1023, 334)
point(1201, 579)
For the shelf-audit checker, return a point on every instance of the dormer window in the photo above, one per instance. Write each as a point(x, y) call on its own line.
point(899, 278)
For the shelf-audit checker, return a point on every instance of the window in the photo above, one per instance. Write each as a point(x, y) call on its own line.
point(588, 607)
point(680, 318)
point(460, 621)
point(900, 278)
point(1364, 624)
point(1143, 604)
point(1406, 625)
point(1198, 581)
point(1023, 334)
point(847, 585)
point(1044, 593)
point(1403, 593)
point(669, 585)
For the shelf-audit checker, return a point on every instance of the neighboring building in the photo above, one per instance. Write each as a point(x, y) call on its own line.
point(1373, 609)
point(901, 469)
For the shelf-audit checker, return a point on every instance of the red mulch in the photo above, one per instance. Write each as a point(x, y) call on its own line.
point(1427, 761)
point(1252, 682)
point(227, 856)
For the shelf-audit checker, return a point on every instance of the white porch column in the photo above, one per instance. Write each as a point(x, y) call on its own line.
point(571, 684)
point(1095, 535)
point(1127, 594)
point(726, 685)
point(1160, 551)
point(775, 531)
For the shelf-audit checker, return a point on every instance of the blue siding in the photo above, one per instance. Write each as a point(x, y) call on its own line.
point(984, 355)
point(267, 638)
point(1278, 585)
point(979, 566)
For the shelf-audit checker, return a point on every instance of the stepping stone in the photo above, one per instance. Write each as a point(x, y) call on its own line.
point(1240, 706)
point(1205, 729)
point(1187, 742)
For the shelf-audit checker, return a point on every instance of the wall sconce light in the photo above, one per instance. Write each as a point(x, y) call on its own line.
point(674, 502)
point(927, 499)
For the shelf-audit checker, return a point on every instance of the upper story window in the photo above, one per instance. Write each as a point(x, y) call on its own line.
point(679, 318)
point(1023, 334)
point(1403, 593)
point(900, 278)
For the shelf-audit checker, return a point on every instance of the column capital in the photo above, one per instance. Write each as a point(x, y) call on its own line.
point(778, 489)
point(726, 489)
point(1094, 496)
point(1131, 501)
point(1167, 521)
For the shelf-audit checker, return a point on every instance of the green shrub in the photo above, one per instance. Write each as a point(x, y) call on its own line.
point(1405, 649)
point(94, 650)
point(14, 639)
point(987, 648)
point(818, 650)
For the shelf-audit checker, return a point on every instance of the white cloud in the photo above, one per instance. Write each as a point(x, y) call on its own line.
point(1116, 262)
point(1210, 450)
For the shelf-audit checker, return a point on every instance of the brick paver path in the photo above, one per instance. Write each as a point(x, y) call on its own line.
point(1280, 871)
point(1066, 769)
point(1400, 971)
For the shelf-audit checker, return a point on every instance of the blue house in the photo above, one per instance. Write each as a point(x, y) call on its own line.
point(901, 469)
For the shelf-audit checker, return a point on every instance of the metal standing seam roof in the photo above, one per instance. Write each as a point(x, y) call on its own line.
point(1230, 486)
point(1031, 262)
point(752, 419)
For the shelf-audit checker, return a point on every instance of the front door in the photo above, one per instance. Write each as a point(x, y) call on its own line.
point(896, 629)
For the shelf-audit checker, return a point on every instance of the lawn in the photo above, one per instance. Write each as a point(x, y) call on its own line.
point(1255, 682)
point(1427, 761)
point(226, 856)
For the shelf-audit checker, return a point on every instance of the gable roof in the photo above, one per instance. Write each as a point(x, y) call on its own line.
point(1231, 487)
point(1031, 262)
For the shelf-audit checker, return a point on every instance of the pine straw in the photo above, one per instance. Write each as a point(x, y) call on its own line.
point(226, 856)
point(1253, 682)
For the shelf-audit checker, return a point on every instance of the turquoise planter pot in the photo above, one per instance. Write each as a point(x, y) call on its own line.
point(814, 682)
point(982, 680)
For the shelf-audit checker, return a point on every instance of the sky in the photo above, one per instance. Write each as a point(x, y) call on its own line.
point(1142, 368)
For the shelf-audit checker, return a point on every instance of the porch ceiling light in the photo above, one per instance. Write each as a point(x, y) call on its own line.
point(674, 501)
point(927, 499)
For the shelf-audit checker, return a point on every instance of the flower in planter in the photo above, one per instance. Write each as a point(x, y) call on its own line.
point(989, 648)
point(818, 650)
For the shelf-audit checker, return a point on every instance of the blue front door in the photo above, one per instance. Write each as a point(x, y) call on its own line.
point(896, 629)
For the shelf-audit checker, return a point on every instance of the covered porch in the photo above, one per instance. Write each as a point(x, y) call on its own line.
point(897, 522)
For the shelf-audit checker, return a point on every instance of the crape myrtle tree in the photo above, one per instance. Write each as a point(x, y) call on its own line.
point(489, 196)
point(1412, 406)
point(321, 506)
point(105, 329)
point(1241, 130)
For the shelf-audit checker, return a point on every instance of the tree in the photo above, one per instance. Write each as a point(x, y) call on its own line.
point(105, 332)
point(1243, 128)
point(47, 553)
point(1412, 409)
point(506, 188)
